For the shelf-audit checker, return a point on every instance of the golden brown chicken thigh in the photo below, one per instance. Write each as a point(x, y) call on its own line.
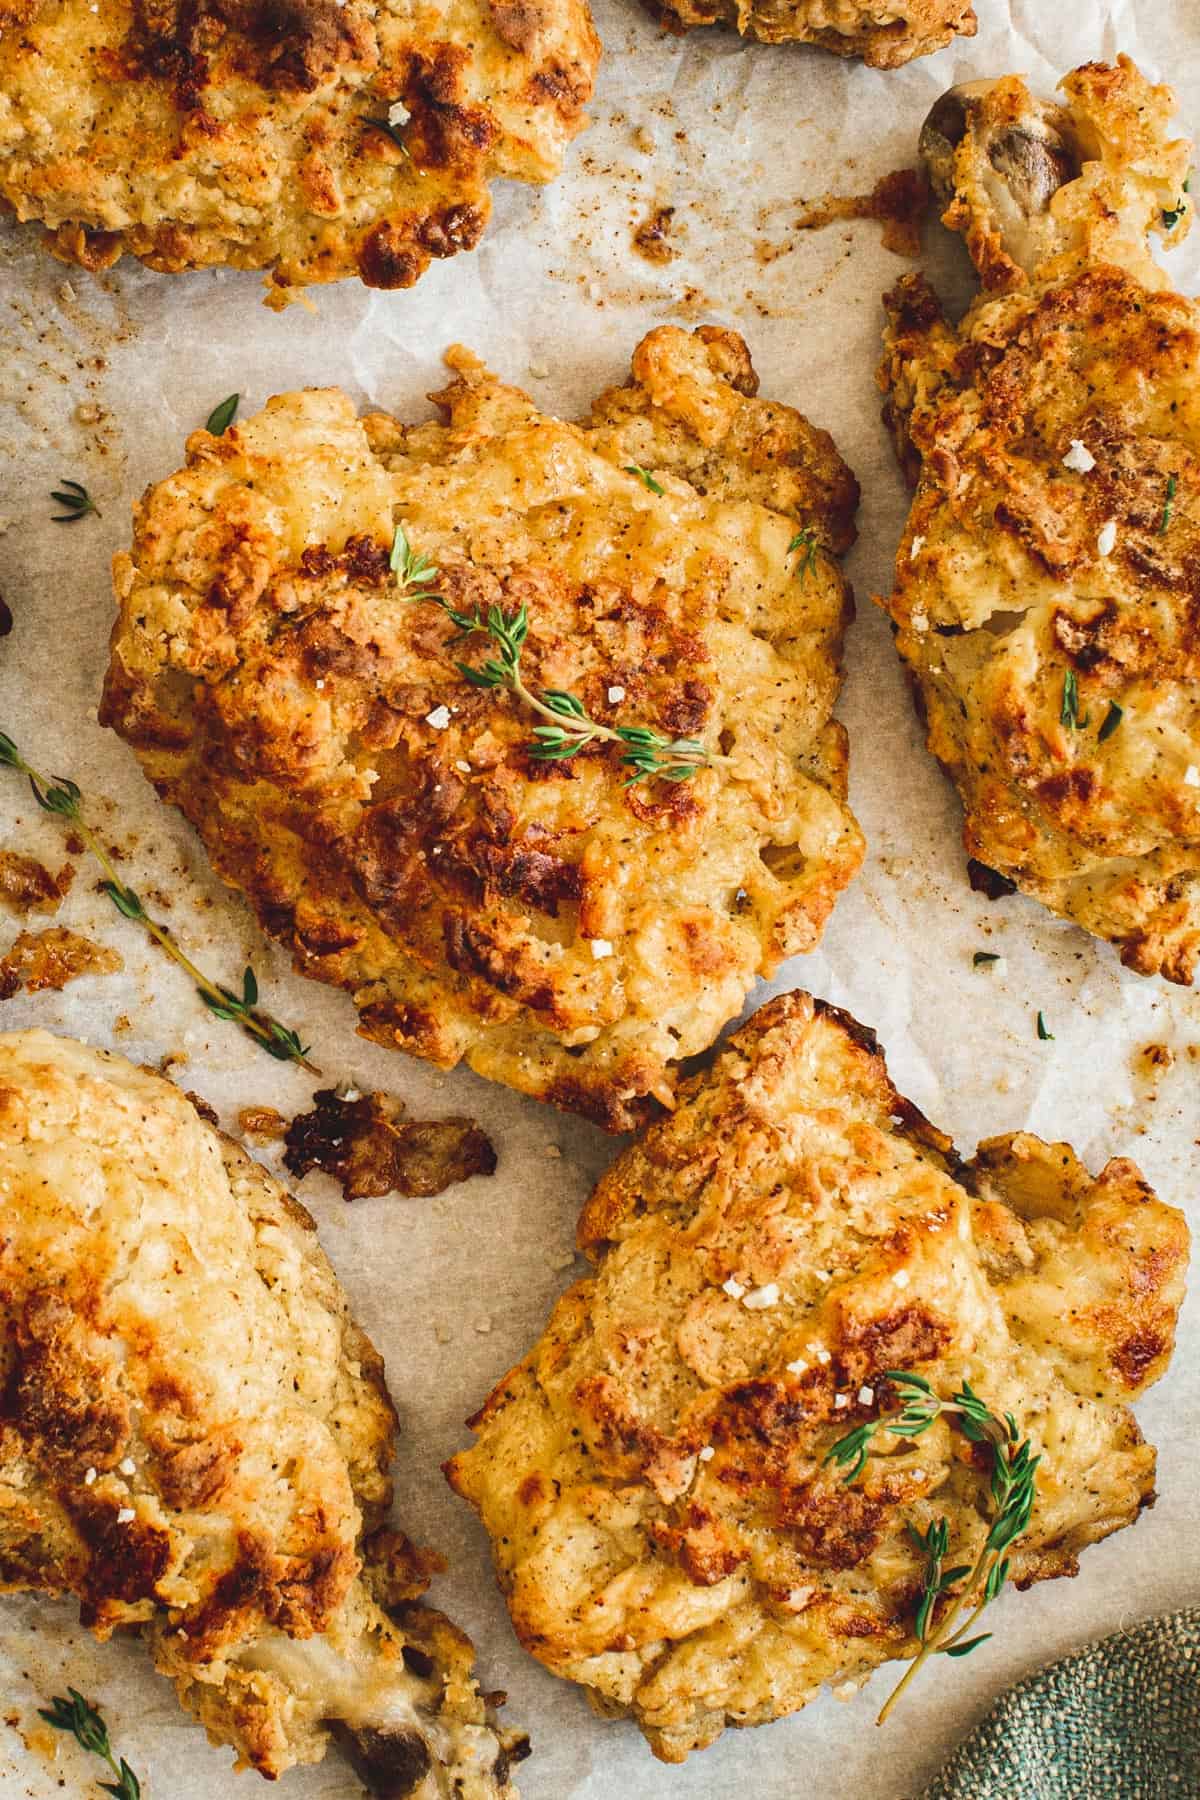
point(665, 1522)
point(563, 924)
point(311, 138)
point(195, 1437)
point(1047, 593)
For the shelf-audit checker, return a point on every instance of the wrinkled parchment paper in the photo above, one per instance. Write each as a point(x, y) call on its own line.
point(102, 379)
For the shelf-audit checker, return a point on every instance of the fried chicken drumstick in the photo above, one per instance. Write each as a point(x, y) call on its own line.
point(1047, 593)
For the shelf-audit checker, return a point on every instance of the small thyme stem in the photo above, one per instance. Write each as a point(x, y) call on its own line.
point(62, 797)
point(1012, 1491)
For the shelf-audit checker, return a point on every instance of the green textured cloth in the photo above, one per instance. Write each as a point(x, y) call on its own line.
point(1117, 1721)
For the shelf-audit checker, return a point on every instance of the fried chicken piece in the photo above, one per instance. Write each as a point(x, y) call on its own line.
point(547, 922)
point(311, 138)
point(195, 1436)
point(664, 1525)
point(1046, 598)
point(884, 34)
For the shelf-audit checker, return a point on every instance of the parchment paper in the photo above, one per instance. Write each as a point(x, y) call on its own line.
point(102, 379)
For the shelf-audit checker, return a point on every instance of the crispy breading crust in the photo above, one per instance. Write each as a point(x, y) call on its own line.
point(279, 691)
point(195, 1435)
point(1018, 573)
point(884, 33)
point(194, 132)
point(651, 1475)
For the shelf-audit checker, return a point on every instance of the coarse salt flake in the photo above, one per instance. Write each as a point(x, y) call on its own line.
point(1079, 457)
point(762, 1297)
point(865, 1396)
point(920, 622)
point(89, 1478)
point(840, 1400)
point(823, 1355)
point(601, 948)
point(398, 113)
point(439, 718)
point(707, 1454)
point(821, 1274)
point(1107, 537)
point(799, 1367)
point(615, 694)
point(901, 1278)
point(914, 549)
point(733, 1288)
point(127, 1466)
point(1191, 776)
point(125, 1515)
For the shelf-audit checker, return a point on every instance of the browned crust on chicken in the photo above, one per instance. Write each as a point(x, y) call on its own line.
point(547, 923)
point(195, 1435)
point(884, 33)
point(652, 1475)
point(1047, 592)
point(194, 132)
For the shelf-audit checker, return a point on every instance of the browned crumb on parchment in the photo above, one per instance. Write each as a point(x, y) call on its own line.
point(262, 1123)
point(898, 200)
point(27, 885)
point(52, 958)
point(365, 1142)
point(651, 237)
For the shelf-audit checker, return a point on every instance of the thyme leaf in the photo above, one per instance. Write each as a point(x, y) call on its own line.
point(806, 542)
point(1169, 503)
point(1047, 1037)
point(391, 131)
point(644, 476)
point(75, 501)
point(1069, 711)
point(1112, 719)
point(221, 417)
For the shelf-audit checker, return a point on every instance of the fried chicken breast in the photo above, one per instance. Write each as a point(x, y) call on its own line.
point(311, 138)
point(671, 564)
point(883, 34)
point(1047, 601)
point(195, 1436)
point(664, 1523)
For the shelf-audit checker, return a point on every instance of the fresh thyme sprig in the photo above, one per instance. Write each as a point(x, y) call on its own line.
point(83, 1721)
point(1011, 1493)
point(75, 501)
point(806, 542)
point(62, 797)
point(570, 729)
